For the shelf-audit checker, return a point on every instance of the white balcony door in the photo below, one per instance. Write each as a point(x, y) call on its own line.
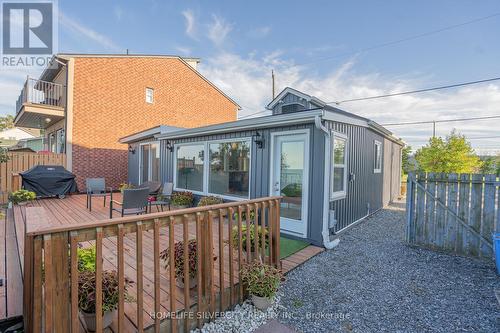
point(290, 179)
point(149, 162)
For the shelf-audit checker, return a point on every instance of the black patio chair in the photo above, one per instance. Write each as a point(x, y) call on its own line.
point(153, 186)
point(134, 202)
point(96, 187)
point(165, 197)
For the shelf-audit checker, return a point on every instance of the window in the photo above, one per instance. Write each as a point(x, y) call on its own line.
point(189, 167)
point(149, 162)
point(338, 166)
point(149, 95)
point(224, 172)
point(52, 142)
point(60, 141)
point(229, 168)
point(293, 107)
point(377, 163)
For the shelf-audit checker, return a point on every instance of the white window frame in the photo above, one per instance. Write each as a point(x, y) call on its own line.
point(204, 180)
point(338, 136)
point(206, 167)
point(378, 144)
point(150, 164)
point(148, 89)
point(207, 170)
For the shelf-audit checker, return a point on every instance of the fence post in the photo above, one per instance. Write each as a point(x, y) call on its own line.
point(410, 208)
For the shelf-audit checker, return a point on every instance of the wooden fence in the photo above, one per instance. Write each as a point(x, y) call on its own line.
point(18, 162)
point(452, 212)
point(51, 264)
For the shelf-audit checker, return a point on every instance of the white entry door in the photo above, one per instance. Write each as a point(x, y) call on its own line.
point(290, 179)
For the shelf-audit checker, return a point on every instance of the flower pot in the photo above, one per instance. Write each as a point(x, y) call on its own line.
point(22, 203)
point(89, 319)
point(262, 303)
point(192, 282)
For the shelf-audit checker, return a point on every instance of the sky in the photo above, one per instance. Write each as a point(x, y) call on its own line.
point(334, 50)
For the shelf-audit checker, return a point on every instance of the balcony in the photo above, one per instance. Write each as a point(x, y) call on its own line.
point(40, 104)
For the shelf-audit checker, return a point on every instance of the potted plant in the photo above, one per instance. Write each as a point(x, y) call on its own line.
point(87, 297)
point(262, 282)
point(260, 232)
point(182, 199)
point(22, 197)
point(210, 200)
point(179, 262)
point(124, 186)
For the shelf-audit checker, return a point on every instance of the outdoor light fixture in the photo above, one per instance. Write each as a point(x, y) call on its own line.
point(170, 146)
point(259, 140)
point(131, 149)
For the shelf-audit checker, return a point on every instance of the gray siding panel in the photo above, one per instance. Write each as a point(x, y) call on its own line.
point(364, 194)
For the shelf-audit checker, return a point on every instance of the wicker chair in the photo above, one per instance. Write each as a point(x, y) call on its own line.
point(96, 187)
point(134, 202)
point(166, 195)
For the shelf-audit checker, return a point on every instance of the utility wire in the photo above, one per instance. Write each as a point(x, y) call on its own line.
point(440, 121)
point(394, 94)
point(417, 91)
point(398, 41)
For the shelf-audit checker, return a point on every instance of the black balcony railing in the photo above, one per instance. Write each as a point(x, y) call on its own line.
point(41, 93)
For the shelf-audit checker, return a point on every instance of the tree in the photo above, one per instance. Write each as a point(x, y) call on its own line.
point(6, 122)
point(452, 154)
point(489, 166)
point(405, 160)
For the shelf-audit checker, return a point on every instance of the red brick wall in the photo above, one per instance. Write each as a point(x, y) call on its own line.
point(109, 103)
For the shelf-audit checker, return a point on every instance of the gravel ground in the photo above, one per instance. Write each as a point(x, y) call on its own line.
point(373, 282)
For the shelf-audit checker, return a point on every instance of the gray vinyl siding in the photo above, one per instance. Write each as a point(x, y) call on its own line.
point(365, 193)
point(260, 168)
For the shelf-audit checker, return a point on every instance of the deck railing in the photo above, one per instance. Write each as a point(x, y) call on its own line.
point(42, 93)
point(51, 263)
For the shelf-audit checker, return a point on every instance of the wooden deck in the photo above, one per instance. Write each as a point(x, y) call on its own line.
point(72, 210)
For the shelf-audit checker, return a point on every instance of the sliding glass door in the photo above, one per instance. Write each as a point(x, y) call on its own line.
point(149, 162)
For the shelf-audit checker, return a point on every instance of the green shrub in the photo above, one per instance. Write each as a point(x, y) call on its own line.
point(22, 196)
point(110, 291)
point(86, 259)
point(235, 236)
point(210, 200)
point(125, 186)
point(261, 279)
point(185, 198)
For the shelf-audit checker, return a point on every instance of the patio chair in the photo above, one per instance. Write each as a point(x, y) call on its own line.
point(166, 195)
point(96, 187)
point(134, 202)
point(153, 186)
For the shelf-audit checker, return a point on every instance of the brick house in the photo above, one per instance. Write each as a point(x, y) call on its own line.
point(85, 103)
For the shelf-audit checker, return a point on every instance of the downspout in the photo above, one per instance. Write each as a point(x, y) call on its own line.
point(327, 243)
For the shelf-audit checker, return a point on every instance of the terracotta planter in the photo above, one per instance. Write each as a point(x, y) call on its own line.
point(193, 282)
point(261, 303)
point(89, 319)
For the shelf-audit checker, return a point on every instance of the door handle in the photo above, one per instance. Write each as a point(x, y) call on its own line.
point(276, 187)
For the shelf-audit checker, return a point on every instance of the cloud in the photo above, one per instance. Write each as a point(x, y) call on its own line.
point(190, 23)
point(183, 50)
point(259, 32)
point(84, 31)
point(118, 12)
point(218, 30)
point(248, 81)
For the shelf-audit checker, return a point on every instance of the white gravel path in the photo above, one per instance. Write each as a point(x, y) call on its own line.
point(374, 282)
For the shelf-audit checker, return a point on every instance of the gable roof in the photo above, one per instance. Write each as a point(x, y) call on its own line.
point(59, 60)
point(295, 92)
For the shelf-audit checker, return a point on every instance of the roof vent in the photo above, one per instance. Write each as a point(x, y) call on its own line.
point(292, 107)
